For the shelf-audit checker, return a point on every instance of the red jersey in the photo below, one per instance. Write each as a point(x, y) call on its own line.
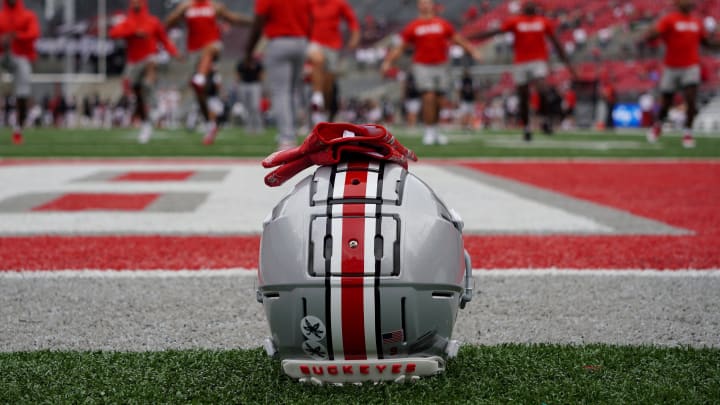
point(431, 39)
point(24, 24)
point(326, 18)
point(285, 18)
point(203, 28)
point(151, 31)
point(529, 32)
point(682, 35)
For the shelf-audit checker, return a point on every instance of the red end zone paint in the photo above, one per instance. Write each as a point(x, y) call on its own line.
point(680, 194)
point(128, 252)
point(87, 202)
point(155, 176)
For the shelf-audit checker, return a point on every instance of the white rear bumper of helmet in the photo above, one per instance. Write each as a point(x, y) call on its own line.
point(358, 371)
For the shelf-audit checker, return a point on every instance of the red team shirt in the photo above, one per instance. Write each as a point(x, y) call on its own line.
point(201, 21)
point(24, 24)
point(140, 47)
point(431, 39)
point(327, 15)
point(285, 18)
point(529, 32)
point(682, 35)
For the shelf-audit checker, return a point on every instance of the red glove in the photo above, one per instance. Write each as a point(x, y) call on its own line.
point(330, 144)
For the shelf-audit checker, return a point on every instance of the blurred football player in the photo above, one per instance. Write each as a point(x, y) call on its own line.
point(142, 32)
point(19, 29)
point(531, 55)
point(204, 44)
point(287, 26)
point(324, 51)
point(431, 36)
point(683, 33)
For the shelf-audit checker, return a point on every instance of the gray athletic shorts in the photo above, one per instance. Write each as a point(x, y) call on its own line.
point(135, 72)
point(21, 69)
point(674, 79)
point(332, 56)
point(432, 77)
point(524, 73)
point(412, 105)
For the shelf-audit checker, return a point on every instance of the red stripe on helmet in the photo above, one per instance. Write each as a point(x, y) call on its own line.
point(353, 264)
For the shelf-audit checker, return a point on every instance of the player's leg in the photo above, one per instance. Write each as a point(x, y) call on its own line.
point(318, 99)
point(690, 93)
point(255, 97)
point(537, 72)
point(655, 131)
point(429, 112)
point(280, 78)
point(523, 92)
point(22, 73)
point(330, 90)
point(334, 101)
point(521, 77)
point(142, 87)
point(669, 83)
point(199, 79)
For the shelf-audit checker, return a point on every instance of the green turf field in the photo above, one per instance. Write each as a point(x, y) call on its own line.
point(234, 143)
point(503, 374)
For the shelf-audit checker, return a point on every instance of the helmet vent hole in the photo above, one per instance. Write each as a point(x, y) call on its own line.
point(355, 182)
point(379, 247)
point(327, 247)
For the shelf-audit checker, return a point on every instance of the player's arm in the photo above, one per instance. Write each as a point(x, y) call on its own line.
point(467, 46)
point(231, 16)
point(31, 30)
point(122, 30)
point(485, 35)
point(561, 53)
point(392, 56)
point(353, 25)
point(256, 30)
point(162, 37)
point(651, 34)
point(177, 14)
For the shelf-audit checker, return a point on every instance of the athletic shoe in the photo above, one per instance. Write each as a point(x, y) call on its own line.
point(210, 134)
point(688, 141)
point(527, 136)
point(17, 138)
point(653, 134)
point(441, 139)
point(146, 131)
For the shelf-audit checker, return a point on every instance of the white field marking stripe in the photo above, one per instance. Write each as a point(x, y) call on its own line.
point(243, 272)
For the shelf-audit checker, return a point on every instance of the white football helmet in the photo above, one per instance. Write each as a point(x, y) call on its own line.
point(362, 272)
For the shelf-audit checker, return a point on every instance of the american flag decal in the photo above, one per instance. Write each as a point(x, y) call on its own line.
point(393, 337)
